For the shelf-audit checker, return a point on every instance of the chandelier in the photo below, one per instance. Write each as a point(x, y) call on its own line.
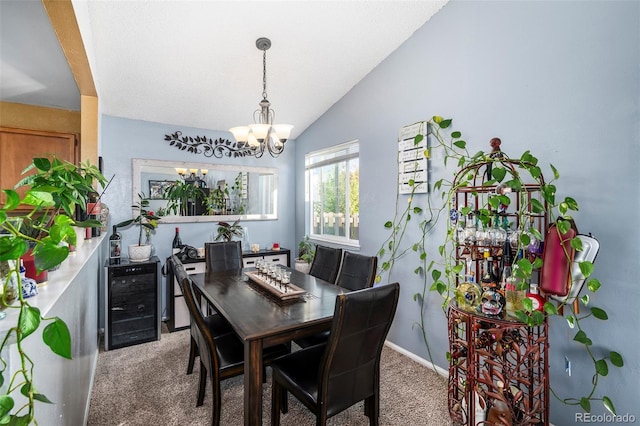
point(263, 135)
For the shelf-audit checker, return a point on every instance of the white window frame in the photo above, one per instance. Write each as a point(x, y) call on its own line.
point(309, 165)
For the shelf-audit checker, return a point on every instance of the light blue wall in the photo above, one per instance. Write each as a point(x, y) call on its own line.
point(561, 79)
point(122, 140)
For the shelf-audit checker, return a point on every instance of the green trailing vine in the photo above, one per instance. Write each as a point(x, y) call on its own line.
point(54, 191)
point(440, 271)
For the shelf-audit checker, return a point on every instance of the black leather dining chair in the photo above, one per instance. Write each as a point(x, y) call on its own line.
point(216, 323)
point(223, 256)
point(221, 356)
point(330, 378)
point(356, 272)
point(326, 263)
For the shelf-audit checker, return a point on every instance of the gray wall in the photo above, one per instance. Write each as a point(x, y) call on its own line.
point(561, 79)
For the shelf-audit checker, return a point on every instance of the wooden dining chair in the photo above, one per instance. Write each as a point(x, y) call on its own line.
point(215, 322)
point(326, 263)
point(221, 356)
point(330, 378)
point(356, 272)
point(223, 256)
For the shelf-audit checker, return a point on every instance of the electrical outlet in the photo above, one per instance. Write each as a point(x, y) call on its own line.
point(567, 365)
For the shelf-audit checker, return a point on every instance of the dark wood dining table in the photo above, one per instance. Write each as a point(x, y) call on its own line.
point(262, 320)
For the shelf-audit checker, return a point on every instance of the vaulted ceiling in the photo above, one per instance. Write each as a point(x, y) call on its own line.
point(195, 63)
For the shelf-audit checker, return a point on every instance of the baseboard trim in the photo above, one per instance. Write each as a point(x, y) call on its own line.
point(439, 370)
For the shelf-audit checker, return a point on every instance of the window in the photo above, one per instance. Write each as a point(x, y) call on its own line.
point(332, 192)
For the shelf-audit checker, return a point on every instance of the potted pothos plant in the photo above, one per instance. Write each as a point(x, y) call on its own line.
point(441, 271)
point(146, 221)
point(306, 252)
point(53, 192)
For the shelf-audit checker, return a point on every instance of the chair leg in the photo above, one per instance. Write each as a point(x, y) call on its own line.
point(217, 402)
point(284, 397)
point(372, 409)
point(201, 384)
point(276, 395)
point(193, 349)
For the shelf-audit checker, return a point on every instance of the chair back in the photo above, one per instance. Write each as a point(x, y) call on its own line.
point(350, 368)
point(357, 271)
point(223, 256)
point(199, 329)
point(326, 263)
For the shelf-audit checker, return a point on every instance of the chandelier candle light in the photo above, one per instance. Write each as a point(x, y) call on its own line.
point(263, 134)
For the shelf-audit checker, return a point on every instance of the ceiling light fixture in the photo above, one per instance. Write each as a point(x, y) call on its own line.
point(263, 134)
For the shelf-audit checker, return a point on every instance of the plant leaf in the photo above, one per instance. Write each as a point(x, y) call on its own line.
point(616, 359)
point(550, 308)
point(498, 173)
point(12, 199)
point(6, 405)
point(601, 314)
point(608, 404)
point(571, 320)
point(460, 144)
point(49, 254)
point(601, 367)
point(593, 285)
point(585, 404)
point(581, 337)
point(24, 390)
point(56, 335)
point(586, 268)
point(29, 320)
point(445, 123)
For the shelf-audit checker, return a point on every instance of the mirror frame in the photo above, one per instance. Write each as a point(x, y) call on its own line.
point(138, 164)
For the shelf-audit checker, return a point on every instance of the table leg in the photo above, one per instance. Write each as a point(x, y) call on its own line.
point(253, 382)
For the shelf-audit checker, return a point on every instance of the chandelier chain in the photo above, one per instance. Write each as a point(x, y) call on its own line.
point(264, 74)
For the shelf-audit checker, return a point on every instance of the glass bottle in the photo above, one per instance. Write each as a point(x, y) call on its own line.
point(470, 230)
point(177, 241)
point(468, 293)
point(115, 246)
point(536, 299)
point(515, 292)
point(498, 234)
point(8, 285)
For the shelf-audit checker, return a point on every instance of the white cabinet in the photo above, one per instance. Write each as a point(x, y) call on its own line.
point(180, 314)
point(280, 259)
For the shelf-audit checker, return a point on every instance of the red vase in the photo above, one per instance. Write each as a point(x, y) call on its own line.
point(30, 266)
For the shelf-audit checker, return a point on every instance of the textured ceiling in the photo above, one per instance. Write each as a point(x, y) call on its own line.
point(195, 63)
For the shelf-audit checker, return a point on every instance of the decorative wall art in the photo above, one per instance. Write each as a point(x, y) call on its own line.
point(218, 148)
point(157, 188)
point(413, 165)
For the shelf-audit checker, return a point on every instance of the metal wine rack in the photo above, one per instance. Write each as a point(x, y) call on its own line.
point(486, 350)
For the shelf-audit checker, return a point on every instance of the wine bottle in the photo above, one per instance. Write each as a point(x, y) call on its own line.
point(177, 241)
point(115, 246)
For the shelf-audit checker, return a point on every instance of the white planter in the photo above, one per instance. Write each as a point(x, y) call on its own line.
point(302, 266)
point(139, 253)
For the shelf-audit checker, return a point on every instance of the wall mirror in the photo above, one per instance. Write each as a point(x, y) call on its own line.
point(202, 192)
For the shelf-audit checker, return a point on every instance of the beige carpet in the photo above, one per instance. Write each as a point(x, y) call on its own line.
point(146, 385)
